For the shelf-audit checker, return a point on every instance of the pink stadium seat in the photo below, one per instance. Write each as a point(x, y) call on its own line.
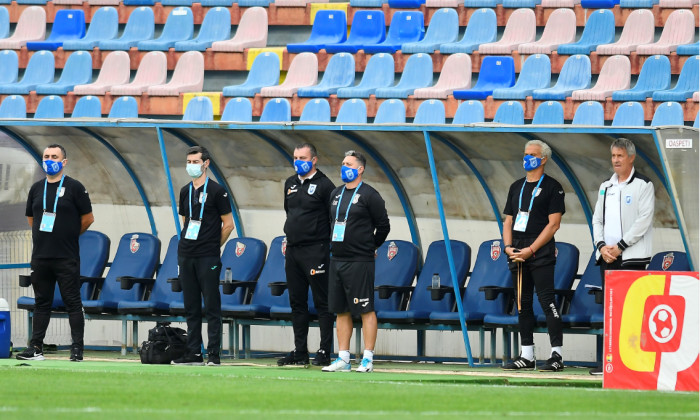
point(188, 76)
point(456, 74)
point(251, 32)
point(115, 71)
point(302, 72)
point(152, 71)
point(615, 75)
point(104, 2)
point(296, 3)
point(677, 4)
point(638, 30)
point(678, 30)
point(442, 3)
point(520, 29)
point(560, 3)
point(560, 29)
point(31, 26)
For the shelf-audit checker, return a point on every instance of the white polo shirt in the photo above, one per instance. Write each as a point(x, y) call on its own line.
point(612, 229)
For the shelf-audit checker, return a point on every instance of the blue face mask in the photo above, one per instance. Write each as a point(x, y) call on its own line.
point(348, 174)
point(51, 167)
point(531, 162)
point(303, 167)
point(194, 170)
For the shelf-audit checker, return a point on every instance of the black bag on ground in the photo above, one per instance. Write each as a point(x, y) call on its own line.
point(165, 344)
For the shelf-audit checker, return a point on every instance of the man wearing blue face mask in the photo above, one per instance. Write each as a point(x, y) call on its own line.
point(533, 210)
point(58, 211)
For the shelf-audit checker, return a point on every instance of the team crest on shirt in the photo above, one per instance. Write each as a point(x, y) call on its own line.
point(628, 199)
point(62, 191)
point(240, 248)
point(392, 251)
point(495, 250)
point(284, 246)
point(312, 189)
point(356, 199)
point(668, 261)
point(134, 245)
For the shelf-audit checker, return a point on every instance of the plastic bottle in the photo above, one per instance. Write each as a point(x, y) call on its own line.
point(228, 276)
point(436, 281)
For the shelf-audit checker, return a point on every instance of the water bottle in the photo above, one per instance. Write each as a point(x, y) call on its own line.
point(436, 281)
point(228, 276)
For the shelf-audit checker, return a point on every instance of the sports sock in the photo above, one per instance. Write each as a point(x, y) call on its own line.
point(528, 352)
point(558, 350)
point(368, 354)
point(345, 355)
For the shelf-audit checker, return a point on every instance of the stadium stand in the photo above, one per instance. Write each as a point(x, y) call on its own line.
point(264, 72)
point(329, 27)
point(9, 63)
point(589, 113)
point(276, 110)
point(31, 26)
point(302, 72)
point(353, 111)
point(87, 107)
point(406, 27)
point(534, 74)
point(104, 25)
point(238, 110)
point(4, 23)
point(688, 83)
point(481, 29)
point(679, 29)
point(430, 112)
point(215, 27)
point(574, 75)
point(251, 32)
point(199, 108)
point(638, 30)
point(187, 77)
point(379, 73)
point(367, 29)
point(469, 112)
point(599, 29)
point(178, 27)
point(67, 25)
point(316, 110)
point(40, 70)
point(124, 107)
point(76, 71)
point(669, 261)
point(688, 49)
point(629, 114)
point(391, 111)
point(520, 29)
point(549, 113)
point(49, 107)
point(668, 113)
point(152, 71)
point(560, 29)
point(655, 75)
point(139, 27)
point(339, 73)
point(456, 74)
point(615, 75)
point(418, 73)
point(115, 71)
point(510, 112)
point(443, 29)
point(496, 72)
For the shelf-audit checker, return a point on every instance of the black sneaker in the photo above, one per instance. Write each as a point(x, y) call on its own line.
point(520, 363)
point(294, 358)
point(596, 371)
point(554, 363)
point(31, 353)
point(76, 353)
point(322, 358)
point(189, 360)
point(213, 359)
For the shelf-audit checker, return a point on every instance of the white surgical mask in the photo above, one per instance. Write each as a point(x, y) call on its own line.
point(194, 170)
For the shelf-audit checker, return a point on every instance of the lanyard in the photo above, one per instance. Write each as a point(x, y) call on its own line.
point(204, 199)
point(534, 192)
point(58, 192)
point(340, 200)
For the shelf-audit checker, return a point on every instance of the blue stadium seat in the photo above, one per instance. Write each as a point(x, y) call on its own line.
point(392, 111)
point(696, 124)
point(215, 27)
point(394, 270)
point(238, 110)
point(13, 107)
point(575, 74)
point(9, 63)
point(406, 26)
point(405, 4)
point(469, 112)
point(655, 75)
point(67, 24)
point(599, 4)
point(104, 25)
point(443, 29)
point(510, 112)
point(418, 73)
point(50, 107)
point(4, 23)
point(330, 27)
point(629, 114)
point(669, 261)
point(339, 73)
point(316, 110)
point(277, 110)
point(638, 4)
point(367, 29)
point(668, 113)
point(217, 3)
point(139, 27)
point(254, 3)
point(39, 2)
point(481, 29)
point(87, 107)
point(688, 49)
point(178, 27)
point(181, 3)
point(353, 111)
point(589, 113)
point(535, 74)
point(688, 83)
point(264, 72)
point(76, 71)
point(583, 304)
point(40, 70)
point(199, 108)
point(379, 73)
point(367, 3)
point(550, 112)
point(514, 4)
point(482, 3)
point(124, 107)
point(496, 72)
point(430, 112)
point(599, 29)
point(139, 2)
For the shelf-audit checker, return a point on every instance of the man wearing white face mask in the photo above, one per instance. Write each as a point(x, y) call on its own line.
point(207, 224)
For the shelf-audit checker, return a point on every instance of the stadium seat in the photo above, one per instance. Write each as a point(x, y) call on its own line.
point(679, 29)
point(655, 75)
point(520, 29)
point(67, 24)
point(560, 29)
point(669, 261)
point(4, 23)
point(688, 83)
point(124, 107)
point(405, 4)
point(367, 3)
point(629, 114)
point(668, 113)
point(254, 3)
point(638, 30)
point(599, 4)
point(104, 25)
point(178, 27)
point(599, 29)
point(115, 71)
point(482, 3)
point(303, 72)
point(9, 63)
point(277, 110)
point(329, 27)
point(179, 3)
point(50, 107)
point(688, 49)
point(512, 4)
point(583, 305)
point(139, 2)
point(615, 75)
point(469, 112)
point(188, 76)
point(339, 73)
point(430, 112)
point(31, 26)
point(264, 72)
point(481, 29)
point(574, 75)
point(316, 110)
point(406, 27)
point(696, 124)
point(418, 73)
point(13, 107)
point(251, 32)
point(353, 111)
point(394, 271)
point(549, 113)
point(238, 110)
point(215, 27)
point(139, 27)
point(638, 4)
point(87, 107)
point(443, 28)
point(456, 74)
point(296, 3)
point(367, 29)
point(76, 71)
point(589, 113)
point(685, 4)
point(496, 72)
point(217, 3)
point(152, 71)
point(199, 108)
point(510, 112)
point(104, 2)
point(378, 73)
point(560, 3)
point(534, 74)
point(40, 70)
point(391, 111)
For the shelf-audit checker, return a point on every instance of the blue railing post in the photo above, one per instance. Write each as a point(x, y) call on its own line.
point(166, 168)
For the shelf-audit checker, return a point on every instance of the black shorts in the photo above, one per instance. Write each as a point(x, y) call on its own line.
point(351, 287)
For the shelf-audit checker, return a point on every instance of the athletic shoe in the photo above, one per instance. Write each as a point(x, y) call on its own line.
point(76, 353)
point(189, 360)
point(554, 363)
point(294, 358)
point(598, 370)
point(339, 365)
point(213, 359)
point(366, 366)
point(322, 358)
point(520, 363)
point(31, 353)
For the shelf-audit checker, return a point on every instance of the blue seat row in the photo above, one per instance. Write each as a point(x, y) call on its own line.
point(51, 107)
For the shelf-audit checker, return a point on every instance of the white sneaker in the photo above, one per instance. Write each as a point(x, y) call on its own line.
point(339, 365)
point(366, 366)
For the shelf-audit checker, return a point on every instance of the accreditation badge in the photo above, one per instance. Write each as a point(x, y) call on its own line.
point(338, 232)
point(193, 230)
point(521, 221)
point(47, 222)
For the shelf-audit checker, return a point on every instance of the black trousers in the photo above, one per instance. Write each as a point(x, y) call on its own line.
point(307, 266)
point(199, 278)
point(45, 274)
